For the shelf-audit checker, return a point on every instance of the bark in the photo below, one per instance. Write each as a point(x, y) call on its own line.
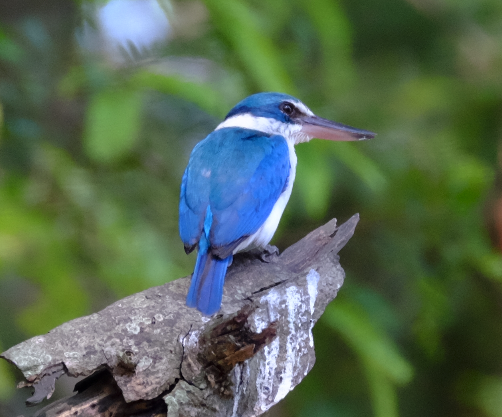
point(150, 355)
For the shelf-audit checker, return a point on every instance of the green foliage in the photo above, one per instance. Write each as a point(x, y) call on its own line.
point(373, 346)
point(112, 124)
point(6, 382)
point(206, 97)
point(9, 51)
point(92, 151)
point(335, 43)
point(383, 366)
point(241, 28)
point(482, 392)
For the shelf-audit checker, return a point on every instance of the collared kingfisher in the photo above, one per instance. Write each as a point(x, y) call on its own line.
point(238, 182)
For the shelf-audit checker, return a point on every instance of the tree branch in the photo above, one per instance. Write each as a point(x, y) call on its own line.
point(239, 362)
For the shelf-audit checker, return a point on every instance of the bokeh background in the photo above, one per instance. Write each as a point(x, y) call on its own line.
point(101, 103)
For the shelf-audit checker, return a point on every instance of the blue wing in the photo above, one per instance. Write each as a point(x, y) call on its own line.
point(232, 181)
point(239, 174)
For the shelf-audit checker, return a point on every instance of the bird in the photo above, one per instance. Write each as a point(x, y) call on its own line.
point(238, 181)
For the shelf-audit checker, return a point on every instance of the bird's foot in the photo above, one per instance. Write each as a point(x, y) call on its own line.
point(268, 254)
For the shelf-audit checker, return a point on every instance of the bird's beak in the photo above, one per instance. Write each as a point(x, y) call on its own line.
point(317, 127)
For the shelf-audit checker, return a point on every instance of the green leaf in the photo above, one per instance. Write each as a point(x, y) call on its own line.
point(203, 95)
point(137, 254)
point(335, 35)
point(481, 392)
point(490, 264)
point(489, 395)
point(373, 346)
point(1, 120)
point(9, 50)
point(6, 381)
point(112, 124)
point(364, 167)
point(39, 249)
point(383, 392)
point(314, 179)
point(241, 27)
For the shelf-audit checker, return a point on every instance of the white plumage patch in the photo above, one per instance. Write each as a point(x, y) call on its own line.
point(303, 108)
point(292, 132)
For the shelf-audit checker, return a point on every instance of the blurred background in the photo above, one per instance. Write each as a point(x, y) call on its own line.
point(101, 103)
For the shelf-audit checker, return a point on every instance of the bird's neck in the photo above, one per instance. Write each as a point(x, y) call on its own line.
point(291, 132)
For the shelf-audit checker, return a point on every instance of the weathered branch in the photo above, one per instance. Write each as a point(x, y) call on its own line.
point(167, 358)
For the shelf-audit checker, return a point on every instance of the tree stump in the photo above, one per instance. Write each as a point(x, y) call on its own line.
point(150, 355)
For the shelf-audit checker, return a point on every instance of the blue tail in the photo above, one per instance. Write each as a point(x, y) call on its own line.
point(206, 288)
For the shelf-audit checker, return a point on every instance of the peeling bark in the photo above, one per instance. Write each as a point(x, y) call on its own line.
point(156, 356)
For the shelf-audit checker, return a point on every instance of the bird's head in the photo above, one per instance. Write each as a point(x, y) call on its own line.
point(282, 114)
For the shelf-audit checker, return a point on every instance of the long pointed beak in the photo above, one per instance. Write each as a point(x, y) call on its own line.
point(317, 127)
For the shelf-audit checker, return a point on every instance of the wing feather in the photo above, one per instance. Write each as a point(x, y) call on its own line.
point(240, 174)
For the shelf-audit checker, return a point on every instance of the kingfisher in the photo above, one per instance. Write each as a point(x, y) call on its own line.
point(238, 182)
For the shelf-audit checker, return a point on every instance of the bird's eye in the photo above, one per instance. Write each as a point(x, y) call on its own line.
point(287, 108)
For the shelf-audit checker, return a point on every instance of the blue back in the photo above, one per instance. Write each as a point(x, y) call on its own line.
point(239, 174)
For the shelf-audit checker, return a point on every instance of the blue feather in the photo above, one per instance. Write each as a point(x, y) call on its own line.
point(240, 173)
point(233, 180)
point(206, 288)
point(262, 105)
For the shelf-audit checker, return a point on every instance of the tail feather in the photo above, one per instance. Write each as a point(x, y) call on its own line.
point(206, 288)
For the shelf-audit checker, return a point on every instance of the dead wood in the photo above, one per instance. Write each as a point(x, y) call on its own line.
point(150, 355)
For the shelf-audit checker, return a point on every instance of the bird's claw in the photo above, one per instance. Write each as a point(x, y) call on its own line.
point(269, 254)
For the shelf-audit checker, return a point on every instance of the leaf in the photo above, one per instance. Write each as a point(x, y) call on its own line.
point(373, 346)
point(1, 120)
point(364, 167)
point(6, 381)
point(383, 392)
point(9, 50)
point(490, 264)
point(314, 179)
point(201, 94)
point(335, 36)
point(112, 124)
point(241, 27)
point(480, 392)
point(39, 249)
point(136, 253)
